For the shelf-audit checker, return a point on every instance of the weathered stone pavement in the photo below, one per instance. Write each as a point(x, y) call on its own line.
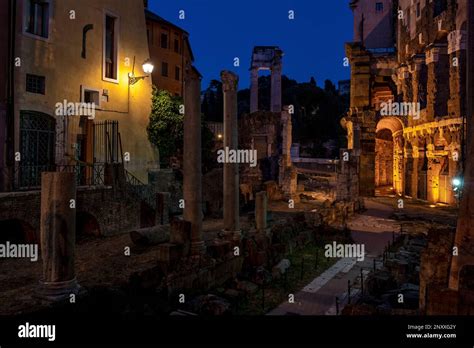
point(373, 228)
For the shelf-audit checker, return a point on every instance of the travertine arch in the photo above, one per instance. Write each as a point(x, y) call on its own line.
point(393, 124)
point(396, 164)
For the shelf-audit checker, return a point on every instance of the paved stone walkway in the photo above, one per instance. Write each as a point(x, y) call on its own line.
point(373, 228)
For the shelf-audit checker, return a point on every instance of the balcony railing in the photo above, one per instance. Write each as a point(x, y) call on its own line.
point(27, 178)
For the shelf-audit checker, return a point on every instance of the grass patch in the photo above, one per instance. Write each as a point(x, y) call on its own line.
point(306, 264)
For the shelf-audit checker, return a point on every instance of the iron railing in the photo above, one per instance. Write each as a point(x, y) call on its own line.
point(140, 190)
point(25, 178)
point(28, 178)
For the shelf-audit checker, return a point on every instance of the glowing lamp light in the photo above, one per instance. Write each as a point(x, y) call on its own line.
point(148, 67)
point(219, 136)
point(457, 183)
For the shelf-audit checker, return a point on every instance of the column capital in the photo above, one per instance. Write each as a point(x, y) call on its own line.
point(434, 51)
point(403, 73)
point(418, 60)
point(457, 41)
point(229, 81)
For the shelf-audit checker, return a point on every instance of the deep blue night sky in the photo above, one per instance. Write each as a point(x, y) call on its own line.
point(223, 29)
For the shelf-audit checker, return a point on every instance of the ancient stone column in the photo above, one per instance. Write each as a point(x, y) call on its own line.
point(276, 87)
point(405, 79)
point(433, 170)
point(58, 235)
point(192, 176)
point(287, 139)
point(253, 90)
point(408, 169)
point(416, 168)
point(231, 170)
point(398, 162)
point(261, 211)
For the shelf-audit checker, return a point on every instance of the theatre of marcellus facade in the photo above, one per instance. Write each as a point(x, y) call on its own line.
point(406, 120)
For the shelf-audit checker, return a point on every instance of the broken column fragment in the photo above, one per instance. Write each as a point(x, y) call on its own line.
point(58, 236)
point(231, 170)
point(192, 176)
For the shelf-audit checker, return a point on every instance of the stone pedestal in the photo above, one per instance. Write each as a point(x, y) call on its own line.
point(231, 170)
point(192, 176)
point(58, 236)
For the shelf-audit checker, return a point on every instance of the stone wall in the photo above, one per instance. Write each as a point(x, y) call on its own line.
point(261, 131)
point(114, 211)
point(168, 180)
point(383, 162)
point(347, 188)
point(435, 264)
point(428, 69)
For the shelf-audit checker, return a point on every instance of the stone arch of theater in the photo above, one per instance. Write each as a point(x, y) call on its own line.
point(389, 143)
point(418, 161)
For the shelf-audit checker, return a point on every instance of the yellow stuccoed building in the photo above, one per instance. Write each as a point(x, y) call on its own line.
point(71, 51)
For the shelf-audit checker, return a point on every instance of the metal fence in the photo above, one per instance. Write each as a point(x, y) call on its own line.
point(24, 178)
point(107, 142)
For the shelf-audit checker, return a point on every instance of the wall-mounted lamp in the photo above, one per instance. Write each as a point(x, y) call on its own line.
point(457, 183)
point(147, 69)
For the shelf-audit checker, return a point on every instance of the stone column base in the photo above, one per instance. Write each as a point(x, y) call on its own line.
point(57, 291)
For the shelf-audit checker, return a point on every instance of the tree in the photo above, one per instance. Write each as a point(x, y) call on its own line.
point(165, 129)
point(213, 102)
